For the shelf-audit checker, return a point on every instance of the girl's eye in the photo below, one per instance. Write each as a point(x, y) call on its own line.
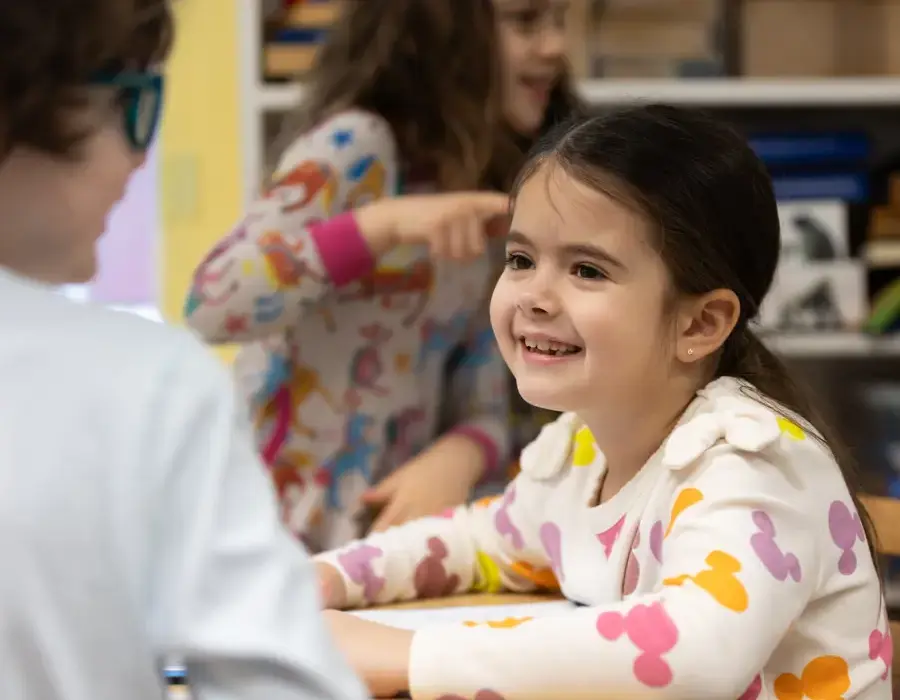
point(589, 272)
point(526, 20)
point(517, 261)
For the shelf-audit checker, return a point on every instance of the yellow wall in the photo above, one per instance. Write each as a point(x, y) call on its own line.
point(200, 147)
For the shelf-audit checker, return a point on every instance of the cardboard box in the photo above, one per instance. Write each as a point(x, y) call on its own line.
point(819, 38)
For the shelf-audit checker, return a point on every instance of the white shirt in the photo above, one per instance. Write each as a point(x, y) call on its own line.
point(136, 522)
point(733, 565)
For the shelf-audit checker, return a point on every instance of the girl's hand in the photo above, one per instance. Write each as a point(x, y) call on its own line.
point(441, 477)
point(332, 589)
point(453, 225)
point(378, 653)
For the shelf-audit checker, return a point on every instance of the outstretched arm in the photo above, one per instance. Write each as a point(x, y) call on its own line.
point(298, 241)
point(491, 545)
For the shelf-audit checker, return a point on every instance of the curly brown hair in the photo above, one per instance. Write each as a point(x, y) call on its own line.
point(50, 49)
point(431, 68)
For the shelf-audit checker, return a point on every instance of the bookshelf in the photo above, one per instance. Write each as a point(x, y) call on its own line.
point(262, 103)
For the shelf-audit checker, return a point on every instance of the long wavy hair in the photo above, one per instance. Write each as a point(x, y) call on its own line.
point(432, 69)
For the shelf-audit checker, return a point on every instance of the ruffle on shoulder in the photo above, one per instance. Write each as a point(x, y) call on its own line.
point(548, 454)
point(726, 415)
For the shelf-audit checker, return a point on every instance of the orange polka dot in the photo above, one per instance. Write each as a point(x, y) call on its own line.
point(540, 577)
point(685, 499)
point(508, 623)
point(402, 362)
point(824, 678)
point(718, 580)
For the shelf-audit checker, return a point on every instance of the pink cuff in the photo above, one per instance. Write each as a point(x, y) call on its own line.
point(487, 445)
point(343, 250)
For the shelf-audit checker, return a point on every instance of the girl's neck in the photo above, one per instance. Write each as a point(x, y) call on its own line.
point(629, 433)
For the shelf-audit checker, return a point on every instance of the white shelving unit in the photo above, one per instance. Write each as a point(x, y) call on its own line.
point(833, 345)
point(259, 100)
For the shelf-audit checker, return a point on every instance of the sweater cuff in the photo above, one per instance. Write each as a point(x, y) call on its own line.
point(342, 249)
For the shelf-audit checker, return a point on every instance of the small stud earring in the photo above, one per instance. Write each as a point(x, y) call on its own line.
point(690, 351)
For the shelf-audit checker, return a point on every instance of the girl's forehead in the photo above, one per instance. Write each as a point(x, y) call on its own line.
point(555, 204)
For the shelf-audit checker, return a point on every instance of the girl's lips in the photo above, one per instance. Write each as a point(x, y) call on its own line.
point(538, 88)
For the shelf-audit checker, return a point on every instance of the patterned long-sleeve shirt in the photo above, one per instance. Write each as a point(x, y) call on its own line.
point(347, 357)
point(734, 564)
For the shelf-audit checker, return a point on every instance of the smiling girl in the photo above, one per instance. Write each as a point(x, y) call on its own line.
point(373, 374)
point(689, 499)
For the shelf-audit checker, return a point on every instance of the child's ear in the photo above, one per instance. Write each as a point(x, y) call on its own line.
point(705, 322)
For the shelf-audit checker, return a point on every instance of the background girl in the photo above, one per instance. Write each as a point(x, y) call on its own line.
point(369, 358)
point(689, 498)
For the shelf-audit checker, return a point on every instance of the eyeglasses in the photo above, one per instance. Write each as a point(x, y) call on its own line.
point(140, 96)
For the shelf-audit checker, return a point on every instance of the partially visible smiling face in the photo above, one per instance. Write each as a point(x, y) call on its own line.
point(580, 310)
point(532, 40)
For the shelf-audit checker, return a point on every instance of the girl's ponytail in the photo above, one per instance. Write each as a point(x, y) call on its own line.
point(746, 357)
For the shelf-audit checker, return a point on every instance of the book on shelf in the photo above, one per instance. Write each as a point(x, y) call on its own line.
point(817, 177)
point(653, 39)
point(294, 35)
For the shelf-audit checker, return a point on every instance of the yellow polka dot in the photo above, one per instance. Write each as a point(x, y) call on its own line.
point(585, 451)
point(791, 429)
point(488, 578)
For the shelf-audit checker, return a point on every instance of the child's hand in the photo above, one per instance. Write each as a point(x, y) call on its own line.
point(453, 225)
point(379, 654)
point(332, 589)
point(441, 477)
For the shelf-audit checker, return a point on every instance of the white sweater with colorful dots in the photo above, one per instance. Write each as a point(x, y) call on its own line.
point(734, 565)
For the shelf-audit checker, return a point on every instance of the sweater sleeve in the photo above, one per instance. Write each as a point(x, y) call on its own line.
point(739, 565)
point(299, 240)
point(493, 545)
point(479, 395)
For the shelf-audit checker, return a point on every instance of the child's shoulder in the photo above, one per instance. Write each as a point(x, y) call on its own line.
point(94, 349)
point(732, 427)
point(550, 453)
point(349, 131)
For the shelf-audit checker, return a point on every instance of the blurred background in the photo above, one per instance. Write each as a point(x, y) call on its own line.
point(815, 85)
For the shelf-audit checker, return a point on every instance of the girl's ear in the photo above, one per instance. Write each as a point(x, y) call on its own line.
point(704, 324)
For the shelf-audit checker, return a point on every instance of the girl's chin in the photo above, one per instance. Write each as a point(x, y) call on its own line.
point(525, 126)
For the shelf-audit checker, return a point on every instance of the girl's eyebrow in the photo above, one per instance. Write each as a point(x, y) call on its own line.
point(573, 250)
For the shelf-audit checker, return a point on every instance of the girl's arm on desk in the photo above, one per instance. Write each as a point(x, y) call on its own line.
point(470, 548)
point(489, 546)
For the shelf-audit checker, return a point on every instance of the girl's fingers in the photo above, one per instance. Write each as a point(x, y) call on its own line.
point(476, 235)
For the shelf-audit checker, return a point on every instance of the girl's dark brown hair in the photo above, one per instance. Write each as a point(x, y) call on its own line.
point(715, 214)
point(50, 49)
point(431, 68)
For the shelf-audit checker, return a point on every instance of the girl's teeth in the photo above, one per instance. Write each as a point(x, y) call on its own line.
point(550, 347)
